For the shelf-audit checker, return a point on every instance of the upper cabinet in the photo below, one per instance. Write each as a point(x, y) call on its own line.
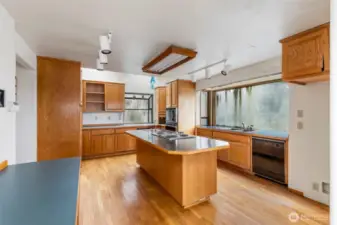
point(114, 97)
point(103, 96)
point(161, 100)
point(305, 56)
point(172, 95)
point(168, 95)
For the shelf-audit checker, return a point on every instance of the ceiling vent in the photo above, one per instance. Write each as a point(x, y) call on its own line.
point(169, 59)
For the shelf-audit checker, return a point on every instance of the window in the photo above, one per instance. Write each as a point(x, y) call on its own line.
point(265, 106)
point(204, 108)
point(138, 108)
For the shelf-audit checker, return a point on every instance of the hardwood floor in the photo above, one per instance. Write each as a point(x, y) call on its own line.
point(116, 191)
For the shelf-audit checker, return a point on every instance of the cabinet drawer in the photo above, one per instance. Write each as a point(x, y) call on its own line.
point(231, 137)
point(204, 133)
point(102, 131)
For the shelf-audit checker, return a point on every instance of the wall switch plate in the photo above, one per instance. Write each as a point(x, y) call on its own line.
point(326, 188)
point(299, 125)
point(315, 186)
point(300, 113)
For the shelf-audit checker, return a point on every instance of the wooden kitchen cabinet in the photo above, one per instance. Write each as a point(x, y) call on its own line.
point(102, 144)
point(204, 133)
point(160, 103)
point(305, 56)
point(114, 97)
point(86, 143)
point(125, 142)
point(168, 95)
point(174, 94)
point(239, 154)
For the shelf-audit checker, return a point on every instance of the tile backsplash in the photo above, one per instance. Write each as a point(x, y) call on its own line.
point(103, 118)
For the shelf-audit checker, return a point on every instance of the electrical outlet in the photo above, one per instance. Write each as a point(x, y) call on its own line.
point(109, 117)
point(315, 186)
point(300, 113)
point(299, 125)
point(96, 118)
point(326, 188)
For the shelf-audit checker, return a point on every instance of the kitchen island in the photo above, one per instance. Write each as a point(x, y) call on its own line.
point(186, 168)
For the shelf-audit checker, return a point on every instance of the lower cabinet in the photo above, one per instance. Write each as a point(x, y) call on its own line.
point(104, 142)
point(125, 142)
point(239, 153)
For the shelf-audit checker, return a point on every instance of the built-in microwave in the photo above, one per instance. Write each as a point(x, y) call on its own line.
point(171, 116)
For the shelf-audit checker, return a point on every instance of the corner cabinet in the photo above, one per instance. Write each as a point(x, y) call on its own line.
point(305, 56)
point(168, 95)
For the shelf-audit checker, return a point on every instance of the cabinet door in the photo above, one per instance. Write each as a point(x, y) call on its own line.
point(305, 55)
point(174, 94)
point(168, 95)
point(162, 101)
point(204, 133)
point(125, 142)
point(108, 144)
point(114, 97)
point(96, 145)
point(240, 155)
point(86, 143)
point(223, 155)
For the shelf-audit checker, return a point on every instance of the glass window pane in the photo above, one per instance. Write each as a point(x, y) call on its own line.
point(136, 116)
point(265, 106)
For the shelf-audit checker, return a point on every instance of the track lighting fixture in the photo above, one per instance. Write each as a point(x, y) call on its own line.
point(105, 41)
point(208, 73)
point(99, 66)
point(102, 58)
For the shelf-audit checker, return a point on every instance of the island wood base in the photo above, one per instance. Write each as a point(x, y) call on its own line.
point(189, 179)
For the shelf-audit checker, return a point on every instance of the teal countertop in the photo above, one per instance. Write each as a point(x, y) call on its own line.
point(43, 193)
point(266, 133)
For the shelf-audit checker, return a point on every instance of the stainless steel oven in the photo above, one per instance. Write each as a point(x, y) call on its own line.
point(172, 117)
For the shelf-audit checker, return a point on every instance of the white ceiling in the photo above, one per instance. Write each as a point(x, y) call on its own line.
point(244, 31)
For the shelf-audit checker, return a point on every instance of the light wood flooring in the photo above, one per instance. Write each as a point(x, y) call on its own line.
point(116, 191)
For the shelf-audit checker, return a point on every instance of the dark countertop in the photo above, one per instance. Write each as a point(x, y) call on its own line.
point(257, 133)
point(182, 146)
point(43, 193)
point(112, 126)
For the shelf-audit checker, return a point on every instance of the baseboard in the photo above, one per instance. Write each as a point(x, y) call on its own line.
point(108, 155)
point(300, 193)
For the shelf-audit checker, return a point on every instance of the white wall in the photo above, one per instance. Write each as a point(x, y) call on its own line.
point(26, 118)
point(309, 147)
point(7, 83)
point(133, 83)
point(24, 55)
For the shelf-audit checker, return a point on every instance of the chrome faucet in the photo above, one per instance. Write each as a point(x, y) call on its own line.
point(243, 125)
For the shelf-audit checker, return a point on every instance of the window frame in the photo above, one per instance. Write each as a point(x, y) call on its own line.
point(149, 109)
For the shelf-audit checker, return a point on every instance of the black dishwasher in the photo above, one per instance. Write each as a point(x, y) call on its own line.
point(268, 159)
